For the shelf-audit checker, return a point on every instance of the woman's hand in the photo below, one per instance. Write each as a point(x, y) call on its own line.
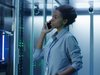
point(42, 36)
point(45, 29)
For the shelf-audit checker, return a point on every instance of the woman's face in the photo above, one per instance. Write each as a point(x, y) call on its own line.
point(57, 20)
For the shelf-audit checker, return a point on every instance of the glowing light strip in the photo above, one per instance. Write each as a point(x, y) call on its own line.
point(3, 36)
point(82, 5)
point(86, 5)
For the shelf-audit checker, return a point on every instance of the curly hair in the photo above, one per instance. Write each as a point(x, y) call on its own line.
point(67, 12)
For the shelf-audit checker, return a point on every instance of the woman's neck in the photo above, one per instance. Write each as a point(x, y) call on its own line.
point(59, 29)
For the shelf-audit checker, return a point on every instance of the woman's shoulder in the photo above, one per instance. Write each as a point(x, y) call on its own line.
point(70, 37)
point(68, 34)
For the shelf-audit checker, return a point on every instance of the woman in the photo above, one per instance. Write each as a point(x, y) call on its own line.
point(61, 54)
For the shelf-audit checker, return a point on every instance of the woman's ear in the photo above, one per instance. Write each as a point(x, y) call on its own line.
point(65, 21)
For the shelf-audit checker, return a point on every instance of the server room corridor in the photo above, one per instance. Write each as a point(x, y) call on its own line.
point(21, 23)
